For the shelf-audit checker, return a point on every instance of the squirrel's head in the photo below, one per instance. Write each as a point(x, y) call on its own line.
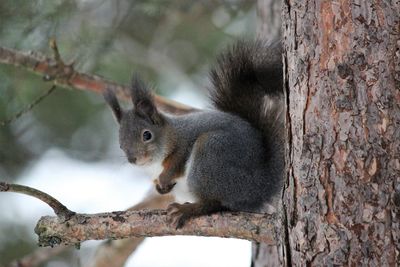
point(142, 129)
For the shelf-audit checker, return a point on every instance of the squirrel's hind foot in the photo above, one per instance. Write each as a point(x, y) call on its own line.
point(179, 214)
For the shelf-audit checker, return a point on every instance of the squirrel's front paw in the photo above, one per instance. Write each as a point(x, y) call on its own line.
point(179, 213)
point(164, 188)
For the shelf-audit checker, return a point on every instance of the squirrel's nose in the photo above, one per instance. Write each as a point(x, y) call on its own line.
point(132, 159)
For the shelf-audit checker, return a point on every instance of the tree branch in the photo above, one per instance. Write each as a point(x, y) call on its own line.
point(72, 228)
point(65, 76)
point(59, 209)
point(114, 253)
point(111, 253)
point(116, 225)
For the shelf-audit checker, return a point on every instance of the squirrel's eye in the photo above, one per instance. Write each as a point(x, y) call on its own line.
point(147, 136)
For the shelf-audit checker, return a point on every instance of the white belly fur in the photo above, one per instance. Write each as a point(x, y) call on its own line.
point(154, 169)
point(180, 191)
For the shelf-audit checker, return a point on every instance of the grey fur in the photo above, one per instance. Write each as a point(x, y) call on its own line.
point(231, 166)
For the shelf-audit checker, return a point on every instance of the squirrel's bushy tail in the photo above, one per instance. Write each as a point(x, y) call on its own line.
point(248, 81)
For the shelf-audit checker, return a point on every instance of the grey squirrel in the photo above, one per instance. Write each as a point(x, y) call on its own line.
point(230, 158)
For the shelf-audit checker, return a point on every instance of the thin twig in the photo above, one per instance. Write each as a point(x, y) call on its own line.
point(60, 72)
point(56, 53)
point(29, 107)
point(59, 209)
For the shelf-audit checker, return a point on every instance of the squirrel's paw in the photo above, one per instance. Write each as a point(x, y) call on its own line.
point(180, 213)
point(163, 188)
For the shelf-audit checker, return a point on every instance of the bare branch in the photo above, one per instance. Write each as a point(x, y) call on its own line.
point(116, 225)
point(66, 76)
point(72, 228)
point(59, 209)
point(111, 253)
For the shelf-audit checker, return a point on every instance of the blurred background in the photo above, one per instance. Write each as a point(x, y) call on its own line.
point(67, 145)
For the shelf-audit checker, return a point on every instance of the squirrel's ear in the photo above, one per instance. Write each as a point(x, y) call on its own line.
point(112, 101)
point(143, 102)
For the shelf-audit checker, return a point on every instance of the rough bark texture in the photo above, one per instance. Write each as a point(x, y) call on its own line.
point(343, 81)
point(53, 231)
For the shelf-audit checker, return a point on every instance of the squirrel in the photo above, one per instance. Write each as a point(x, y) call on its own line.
point(227, 159)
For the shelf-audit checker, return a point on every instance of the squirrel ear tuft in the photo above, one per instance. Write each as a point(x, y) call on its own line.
point(112, 101)
point(143, 102)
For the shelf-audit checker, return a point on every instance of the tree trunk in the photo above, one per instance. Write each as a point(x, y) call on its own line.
point(342, 75)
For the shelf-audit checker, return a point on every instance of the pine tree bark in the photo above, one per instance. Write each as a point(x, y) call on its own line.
point(342, 75)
